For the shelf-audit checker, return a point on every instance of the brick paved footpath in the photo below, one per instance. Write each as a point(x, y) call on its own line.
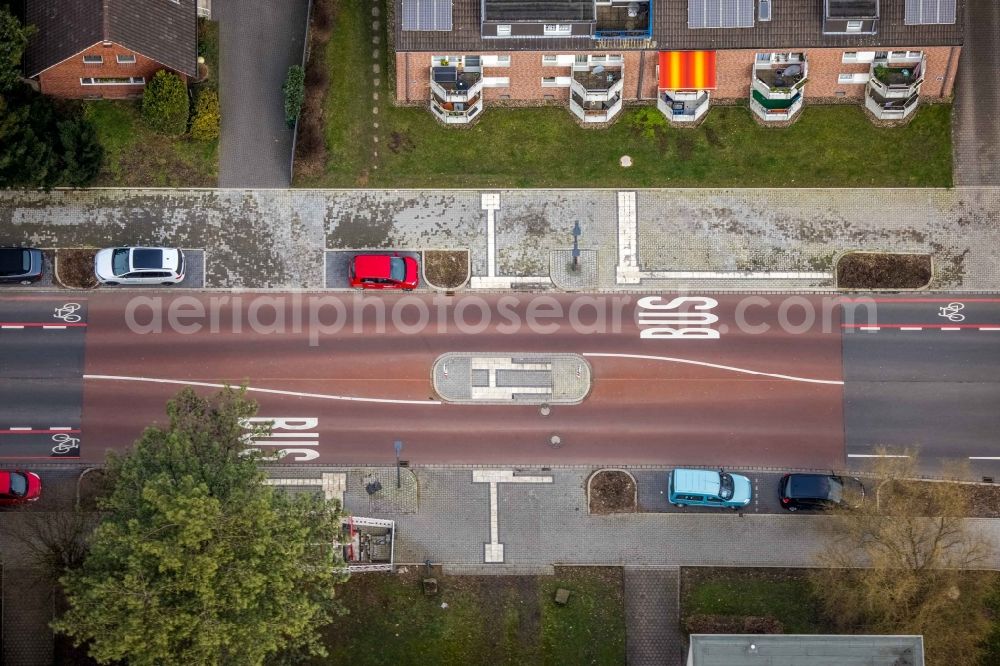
point(276, 238)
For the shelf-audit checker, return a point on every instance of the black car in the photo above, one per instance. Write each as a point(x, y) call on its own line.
point(820, 491)
point(20, 264)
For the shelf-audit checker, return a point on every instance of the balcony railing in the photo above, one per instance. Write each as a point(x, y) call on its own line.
point(597, 86)
point(890, 108)
point(897, 82)
point(683, 107)
point(464, 86)
point(456, 117)
point(780, 80)
point(594, 115)
point(775, 114)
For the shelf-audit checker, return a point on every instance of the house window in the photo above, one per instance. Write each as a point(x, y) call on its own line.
point(914, 55)
point(881, 55)
point(125, 59)
point(549, 82)
point(763, 57)
point(616, 58)
point(855, 26)
point(556, 30)
point(853, 78)
point(503, 30)
point(496, 82)
point(93, 60)
point(549, 60)
point(850, 56)
point(112, 81)
point(503, 61)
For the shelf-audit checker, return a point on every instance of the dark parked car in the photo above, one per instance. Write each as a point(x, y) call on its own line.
point(820, 491)
point(20, 264)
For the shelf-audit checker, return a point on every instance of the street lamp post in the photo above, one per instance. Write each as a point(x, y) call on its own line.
point(398, 445)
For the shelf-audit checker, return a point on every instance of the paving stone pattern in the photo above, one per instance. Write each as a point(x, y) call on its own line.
point(275, 238)
point(652, 617)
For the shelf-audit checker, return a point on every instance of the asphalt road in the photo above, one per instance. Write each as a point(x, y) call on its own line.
point(917, 379)
point(741, 382)
point(41, 376)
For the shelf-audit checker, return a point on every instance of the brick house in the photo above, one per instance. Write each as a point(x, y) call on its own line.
point(109, 48)
point(457, 56)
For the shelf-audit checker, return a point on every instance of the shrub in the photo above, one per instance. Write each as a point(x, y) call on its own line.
point(295, 90)
point(205, 123)
point(82, 153)
point(732, 624)
point(165, 104)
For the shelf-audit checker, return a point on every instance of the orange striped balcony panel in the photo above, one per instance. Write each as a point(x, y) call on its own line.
point(687, 70)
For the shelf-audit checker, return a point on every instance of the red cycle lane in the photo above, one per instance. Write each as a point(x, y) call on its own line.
point(701, 382)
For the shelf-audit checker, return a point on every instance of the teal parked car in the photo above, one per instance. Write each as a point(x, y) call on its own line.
point(703, 487)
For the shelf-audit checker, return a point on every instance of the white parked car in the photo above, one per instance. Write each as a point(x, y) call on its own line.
point(139, 265)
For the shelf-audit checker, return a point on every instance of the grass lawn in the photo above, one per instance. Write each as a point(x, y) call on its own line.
point(488, 620)
point(783, 594)
point(544, 147)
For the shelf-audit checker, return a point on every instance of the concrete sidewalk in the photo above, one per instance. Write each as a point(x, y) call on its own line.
point(645, 240)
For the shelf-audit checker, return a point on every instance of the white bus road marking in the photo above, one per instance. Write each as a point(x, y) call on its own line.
point(253, 389)
point(642, 357)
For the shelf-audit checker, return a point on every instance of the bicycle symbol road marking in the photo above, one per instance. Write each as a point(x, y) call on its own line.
point(67, 313)
point(64, 443)
point(951, 312)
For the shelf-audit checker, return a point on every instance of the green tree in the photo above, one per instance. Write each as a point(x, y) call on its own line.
point(82, 153)
point(205, 123)
point(27, 158)
point(295, 92)
point(195, 560)
point(13, 40)
point(165, 104)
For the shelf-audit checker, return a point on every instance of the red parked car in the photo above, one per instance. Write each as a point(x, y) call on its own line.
point(18, 486)
point(383, 271)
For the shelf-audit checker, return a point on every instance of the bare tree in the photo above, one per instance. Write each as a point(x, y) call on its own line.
point(901, 564)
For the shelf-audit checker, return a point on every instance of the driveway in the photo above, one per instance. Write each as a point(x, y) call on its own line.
point(976, 124)
point(256, 49)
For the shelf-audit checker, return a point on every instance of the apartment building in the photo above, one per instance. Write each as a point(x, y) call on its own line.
point(460, 56)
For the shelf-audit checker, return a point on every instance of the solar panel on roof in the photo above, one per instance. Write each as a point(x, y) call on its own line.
point(720, 13)
point(427, 15)
point(923, 12)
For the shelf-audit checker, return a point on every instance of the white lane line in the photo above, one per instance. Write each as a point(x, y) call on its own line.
point(295, 394)
point(984, 457)
point(49, 327)
point(989, 328)
point(60, 427)
point(671, 359)
point(869, 328)
point(950, 328)
point(873, 455)
point(19, 428)
point(911, 328)
point(10, 326)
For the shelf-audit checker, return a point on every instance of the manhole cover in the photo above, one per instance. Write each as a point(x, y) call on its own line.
point(555, 441)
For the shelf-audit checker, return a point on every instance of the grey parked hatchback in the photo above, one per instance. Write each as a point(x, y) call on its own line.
point(20, 264)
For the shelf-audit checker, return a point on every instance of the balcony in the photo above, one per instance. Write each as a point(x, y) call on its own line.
point(890, 108)
point(897, 81)
point(781, 79)
point(594, 111)
point(775, 110)
point(456, 113)
point(625, 20)
point(454, 84)
point(683, 106)
point(598, 83)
